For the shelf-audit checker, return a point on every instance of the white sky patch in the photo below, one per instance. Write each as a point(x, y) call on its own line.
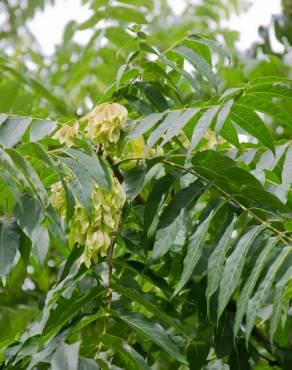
point(48, 26)
point(178, 6)
point(247, 24)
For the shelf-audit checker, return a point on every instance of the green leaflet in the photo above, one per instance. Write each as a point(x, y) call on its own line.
point(29, 217)
point(8, 164)
point(138, 268)
point(198, 48)
point(272, 80)
point(154, 94)
point(251, 188)
point(230, 92)
point(82, 185)
point(171, 235)
point(216, 260)
point(228, 176)
point(127, 352)
point(198, 62)
point(249, 286)
point(268, 161)
point(202, 126)
point(120, 73)
point(155, 202)
point(157, 133)
point(187, 76)
point(94, 165)
point(212, 45)
point(66, 309)
point(276, 314)
point(38, 151)
point(160, 72)
point(9, 243)
point(194, 252)
point(266, 106)
point(234, 266)
point(283, 189)
point(239, 357)
point(223, 115)
point(66, 357)
point(197, 354)
point(216, 162)
point(56, 230)
point(229, 133)
point(49, 348)
point(31, 176)
point(251, 123)
point(12, 130)
point(40, 246)
point(259, 296)
point(223, 340)
point(153, 331)
point(178, 124)
point(134, 180)
point(173, 219)
point(40, 129)
point(87, 364)
point(69, 31)
point(271, 87)
point(10, 181)
point(3, 118)
point(146, 124)
point(135, 296)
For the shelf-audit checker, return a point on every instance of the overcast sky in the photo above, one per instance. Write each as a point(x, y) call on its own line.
point(48, 26)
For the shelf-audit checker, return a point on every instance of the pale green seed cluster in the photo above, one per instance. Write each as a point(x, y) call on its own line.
point(94, 232)
point(58, 198)
point(67, 133)
point(105, 123)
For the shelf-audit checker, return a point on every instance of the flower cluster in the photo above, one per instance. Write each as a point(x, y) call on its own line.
point(93, 231)
point(105, 123)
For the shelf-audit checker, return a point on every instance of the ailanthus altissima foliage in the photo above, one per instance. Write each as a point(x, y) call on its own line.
point(145, 193)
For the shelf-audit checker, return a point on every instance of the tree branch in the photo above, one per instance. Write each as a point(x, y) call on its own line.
point(139, 199)
point(226, 195)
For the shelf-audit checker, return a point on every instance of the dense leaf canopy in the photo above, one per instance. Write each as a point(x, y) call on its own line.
point(145, 191)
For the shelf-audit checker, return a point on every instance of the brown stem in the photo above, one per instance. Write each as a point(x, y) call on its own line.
point(139, 199)
point(110, 276)
point(111, 250)
point(116, 171)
